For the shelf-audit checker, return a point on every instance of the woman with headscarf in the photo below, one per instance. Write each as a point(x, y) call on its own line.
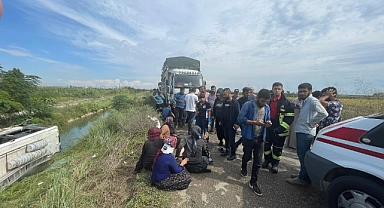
point(150, 148)
point(167, 175)
point(167, 129)
point(195, 146)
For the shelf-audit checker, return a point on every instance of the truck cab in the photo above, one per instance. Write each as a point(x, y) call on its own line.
point(178, 72)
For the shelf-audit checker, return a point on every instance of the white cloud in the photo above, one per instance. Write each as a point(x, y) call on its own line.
point(22, 52)
point(109, 83)
point(238, 42)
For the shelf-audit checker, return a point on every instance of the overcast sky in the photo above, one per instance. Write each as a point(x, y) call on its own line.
point(239, 43)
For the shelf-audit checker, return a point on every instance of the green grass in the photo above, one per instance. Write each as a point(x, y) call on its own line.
point(97, 171)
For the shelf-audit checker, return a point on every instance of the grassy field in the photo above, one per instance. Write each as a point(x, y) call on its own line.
point(360, 106)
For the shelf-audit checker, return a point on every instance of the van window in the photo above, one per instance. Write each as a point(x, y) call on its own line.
point(374, 137)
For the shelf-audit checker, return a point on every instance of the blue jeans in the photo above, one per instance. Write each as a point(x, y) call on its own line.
point(304, 142)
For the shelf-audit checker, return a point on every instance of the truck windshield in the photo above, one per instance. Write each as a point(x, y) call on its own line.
point(183, 80)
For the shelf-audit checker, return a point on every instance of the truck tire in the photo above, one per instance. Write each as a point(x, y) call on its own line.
point(347, 190)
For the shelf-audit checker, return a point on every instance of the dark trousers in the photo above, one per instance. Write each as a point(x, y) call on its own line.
point(273, 147)
point(203, 124)
point(229, 136)
point(240, 141)
point(219, 132)
point(189, 117)
point(179, 114)
point(159, 107)
point(256, 147)
point(212, 125)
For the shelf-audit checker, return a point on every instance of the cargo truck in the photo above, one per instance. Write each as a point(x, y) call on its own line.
point(178, 72)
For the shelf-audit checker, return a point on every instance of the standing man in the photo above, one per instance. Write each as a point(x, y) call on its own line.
point(332, 105)
point(202, 90)
point(231, 109)
point(190, 107)
point(245, 98)
point(254, 117)
point(179, 109)
point(217, 113)
point(171, 101)
point(282, 116)
point(252, 96)
point(159, 98)
point(311, 113)
point(203, 114)
point(211, 101)
point(236, 93)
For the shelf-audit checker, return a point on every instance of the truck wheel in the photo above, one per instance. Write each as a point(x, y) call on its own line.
point(354, 191)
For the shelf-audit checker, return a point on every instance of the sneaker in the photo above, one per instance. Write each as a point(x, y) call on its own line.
point(221, 150)
point(255, 189)
point(226, 153)
point(243, 172)
point(231, 157)
point(265, 164)
point(294, 175)
point(274, 168)
point(297, 182)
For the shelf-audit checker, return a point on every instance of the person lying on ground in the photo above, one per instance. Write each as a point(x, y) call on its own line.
point(150, 148)
point(167, 175)
point(194, 146)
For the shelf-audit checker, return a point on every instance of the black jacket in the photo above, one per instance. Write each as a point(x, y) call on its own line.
point(285, 108)
point(234, 113)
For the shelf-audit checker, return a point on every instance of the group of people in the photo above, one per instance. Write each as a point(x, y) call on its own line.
point(266, 120)
point(158, 156)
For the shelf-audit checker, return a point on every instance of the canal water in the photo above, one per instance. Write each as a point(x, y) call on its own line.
point(69, 136)
point(72, 132)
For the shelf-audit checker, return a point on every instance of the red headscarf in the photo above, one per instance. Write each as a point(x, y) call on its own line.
point(154, 133)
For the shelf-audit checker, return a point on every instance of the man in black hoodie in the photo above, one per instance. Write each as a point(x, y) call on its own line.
point(230, 112)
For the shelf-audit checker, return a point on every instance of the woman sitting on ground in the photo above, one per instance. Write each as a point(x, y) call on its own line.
point(150, 148)
point(167, 175)
point(194, 146)
point(167, 129)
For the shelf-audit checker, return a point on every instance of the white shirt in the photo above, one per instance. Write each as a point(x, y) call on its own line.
point(190, 102)
point(311, 113)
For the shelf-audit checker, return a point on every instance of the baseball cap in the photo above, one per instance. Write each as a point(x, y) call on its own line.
point(236, 91)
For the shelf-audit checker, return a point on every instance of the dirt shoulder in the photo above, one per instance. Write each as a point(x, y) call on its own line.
point(225, 187)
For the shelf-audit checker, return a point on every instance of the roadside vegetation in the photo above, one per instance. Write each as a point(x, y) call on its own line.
point(22, 98)
point(97, 171)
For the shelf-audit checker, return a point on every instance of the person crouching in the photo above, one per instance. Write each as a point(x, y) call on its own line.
point(194, 146)
point(167, 175)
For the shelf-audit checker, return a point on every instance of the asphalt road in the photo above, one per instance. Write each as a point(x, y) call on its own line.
point(225, 187)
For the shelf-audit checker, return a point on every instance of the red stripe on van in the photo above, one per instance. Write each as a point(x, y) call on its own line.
point(345, 133)
point(353, 148)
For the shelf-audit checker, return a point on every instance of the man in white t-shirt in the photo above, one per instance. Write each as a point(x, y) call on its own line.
point(190, 107)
